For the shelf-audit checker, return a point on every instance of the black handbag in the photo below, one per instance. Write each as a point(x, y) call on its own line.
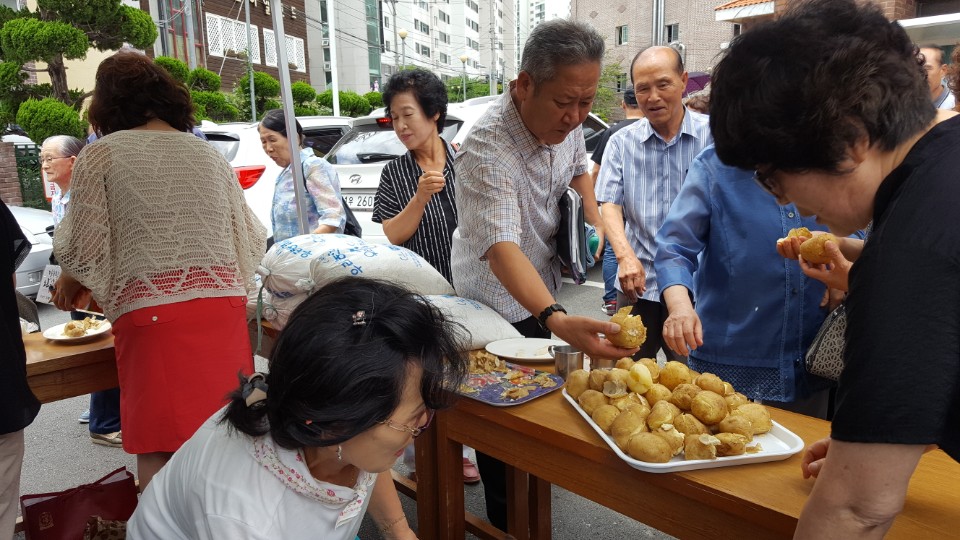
point(824, 358)
point(352, 227)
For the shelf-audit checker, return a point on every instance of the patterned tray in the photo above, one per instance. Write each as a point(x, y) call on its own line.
point(490, 387)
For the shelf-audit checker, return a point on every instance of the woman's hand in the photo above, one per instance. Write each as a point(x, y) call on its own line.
point(813, 458)
point(68, 293)
point(835, 274)
point(429, 183)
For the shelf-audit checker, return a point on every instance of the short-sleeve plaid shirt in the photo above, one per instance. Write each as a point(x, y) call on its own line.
point(508, 190)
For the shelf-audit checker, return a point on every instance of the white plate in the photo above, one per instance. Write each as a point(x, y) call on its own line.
point(55, 333)
point(524, 349)
point(778, 443)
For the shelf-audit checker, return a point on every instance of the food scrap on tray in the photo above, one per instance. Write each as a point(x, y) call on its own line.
point(80, 328)
point(501, 383)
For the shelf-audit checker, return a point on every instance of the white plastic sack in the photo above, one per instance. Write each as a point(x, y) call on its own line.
point(390, 263)
point(484, 324)
point(285, 268)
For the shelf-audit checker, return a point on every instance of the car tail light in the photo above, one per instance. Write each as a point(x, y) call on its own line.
point(385, 121)
point(249, 175)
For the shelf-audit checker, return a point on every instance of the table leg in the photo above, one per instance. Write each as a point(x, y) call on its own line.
point(449, 483)
point(518, 522)
point(540, 508)
point(428, 496)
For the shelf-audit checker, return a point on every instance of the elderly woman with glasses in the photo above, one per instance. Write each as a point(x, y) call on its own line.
point(302, 451)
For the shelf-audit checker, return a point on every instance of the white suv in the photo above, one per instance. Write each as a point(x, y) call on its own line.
point(257, 173)
point(362, 153)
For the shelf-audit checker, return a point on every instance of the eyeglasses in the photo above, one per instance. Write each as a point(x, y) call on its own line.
point(765, 180)
point(411, 430)
point(48, 159)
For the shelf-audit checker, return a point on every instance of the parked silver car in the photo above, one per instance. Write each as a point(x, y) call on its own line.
point(364, 151)
point(34, 224)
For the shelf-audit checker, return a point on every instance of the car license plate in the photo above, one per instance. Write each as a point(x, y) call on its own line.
point(359, 202)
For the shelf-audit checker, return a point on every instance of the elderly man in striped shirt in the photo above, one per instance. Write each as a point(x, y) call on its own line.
point(643, 168)
point(511, 171)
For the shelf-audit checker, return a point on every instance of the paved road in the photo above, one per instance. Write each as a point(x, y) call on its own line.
point(59, 453)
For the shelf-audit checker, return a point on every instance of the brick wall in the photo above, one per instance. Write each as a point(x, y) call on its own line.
point(898, 9)
point(9, 183)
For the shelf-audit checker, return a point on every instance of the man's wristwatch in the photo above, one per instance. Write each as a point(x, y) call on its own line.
point(546, 313)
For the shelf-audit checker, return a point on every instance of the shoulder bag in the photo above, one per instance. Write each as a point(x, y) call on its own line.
point(824, 358)
point(352, 226)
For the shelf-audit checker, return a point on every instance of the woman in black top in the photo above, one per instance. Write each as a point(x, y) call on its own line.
point(415, 199)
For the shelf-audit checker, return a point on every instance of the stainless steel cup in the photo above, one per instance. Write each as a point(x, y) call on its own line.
point(566, 359)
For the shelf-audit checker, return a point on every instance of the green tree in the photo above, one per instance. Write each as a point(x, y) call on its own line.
point(265, 89)
point(214, 106)
point(351, 103)
point(204, 80)
point(175, 67)
point(302, 93)
point(47, 117)
point(375, 99)
point(607, 101)
point(65, 29)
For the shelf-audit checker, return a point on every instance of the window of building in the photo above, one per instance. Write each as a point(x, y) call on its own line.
point(227, 37)
point(443, 16)
point(445, 38)
point(623, 35)
point(737, 30)
point(673, 32)
point(424, 50)
point(444, 59)
point(623, 82)
point(174, 41)
point(294, 49)
point(473, 5)
point(387, 44)
point(474, 25)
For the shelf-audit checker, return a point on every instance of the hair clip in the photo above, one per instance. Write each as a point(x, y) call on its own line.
point(255, 389)
point(359, 318)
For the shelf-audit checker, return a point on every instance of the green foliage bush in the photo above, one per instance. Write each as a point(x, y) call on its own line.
point(266, 88)
point(214, 106)
point(375, 99)
point(306, 110)
point(26, 39)
point(176, 68)
point(47, 117)
point(302, 93)
point(203, 80)
point(351, 103)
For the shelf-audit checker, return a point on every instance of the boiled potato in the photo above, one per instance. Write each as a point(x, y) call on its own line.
point(709, 407)
point(709, 381)
point(814, 251)
point(735, 400)
point(688, 424)
point(614, 389)
point(736, 424)
point(731, 444)
point(604, 416)
point(591, 400)
point(653, 366)
point(618, 374)
point(663, 412)
point(626, 425)
point(597, 378)
point(683, 394)
point(632, 332)
point(673, 437)
point(625, 402)
point(758, 415)
point(657, 392)
point(648, 447)
point(700, 446)
point(624, 363)
point(674, 373)
point(728, 389)
point(800, 232)
point(639, 379)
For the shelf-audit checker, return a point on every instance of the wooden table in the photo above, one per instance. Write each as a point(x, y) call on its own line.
point(546, 442)
point(57, 370)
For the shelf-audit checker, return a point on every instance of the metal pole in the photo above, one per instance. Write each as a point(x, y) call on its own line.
point(289, 117)
point(404, 47)
point(253, 100)
point(464, 81)
point(334, 80)
point(396, 58)
point(493, 52)
point(192, 47)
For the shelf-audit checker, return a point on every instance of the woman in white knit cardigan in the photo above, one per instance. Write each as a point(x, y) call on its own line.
point(159, 231)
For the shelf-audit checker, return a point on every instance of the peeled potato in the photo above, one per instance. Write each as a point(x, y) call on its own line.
point(657, 392)
point(735, 400)
point(618, 374)
point(663, 412)
point(590, 400)
point(639, 379)
point(653, 366)
point(709, 407)
point(597, 378)
point(648, 447)
point(673, 437)
point(632, 332)
point(614, 389)
point(814, 251)
point(758, 415)
point(674, 373)
point(688, 424)
point(709, 381)
point(626, 425)
point(625, 363)
point(700, 446)
point(625, 402)
point(731, 444)
point(800, 232)
point(727, 389)
point(736, 424)
point(604, 416)
point(577, 382)
point(683, 394)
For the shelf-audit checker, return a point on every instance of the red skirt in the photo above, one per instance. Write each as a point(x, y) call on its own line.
point(177, 363)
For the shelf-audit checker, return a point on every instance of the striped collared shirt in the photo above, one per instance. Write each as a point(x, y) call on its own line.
point(643, 173)
point(508, 190)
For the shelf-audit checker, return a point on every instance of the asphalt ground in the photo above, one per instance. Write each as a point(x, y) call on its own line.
point(59, 454)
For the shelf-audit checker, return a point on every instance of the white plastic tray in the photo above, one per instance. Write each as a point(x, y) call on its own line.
point(779, 443)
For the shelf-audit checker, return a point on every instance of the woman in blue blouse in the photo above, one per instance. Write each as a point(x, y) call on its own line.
point(756, 313)
point(324, 206)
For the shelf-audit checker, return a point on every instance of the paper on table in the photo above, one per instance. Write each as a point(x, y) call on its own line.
point(51, 273)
